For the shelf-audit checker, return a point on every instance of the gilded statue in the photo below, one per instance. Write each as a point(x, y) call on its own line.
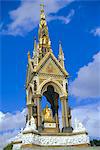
point(47, 114)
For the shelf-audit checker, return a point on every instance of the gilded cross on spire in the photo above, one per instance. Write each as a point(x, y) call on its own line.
point(42, 5)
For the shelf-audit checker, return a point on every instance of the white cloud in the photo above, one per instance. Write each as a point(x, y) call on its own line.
point(89, 115)
point(6, 137)
point(96, 31)
point(10, 124)
point(26, 17)
point(10, 121)
point(66, 19)
point(87, 83)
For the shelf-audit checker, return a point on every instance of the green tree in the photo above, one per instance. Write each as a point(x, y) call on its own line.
point(8, 147)
point(95, 142)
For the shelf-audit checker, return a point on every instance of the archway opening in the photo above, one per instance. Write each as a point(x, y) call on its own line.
point(44, 102)
point(50, 98)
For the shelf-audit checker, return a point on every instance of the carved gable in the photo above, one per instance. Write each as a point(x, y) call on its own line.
point(50, 67)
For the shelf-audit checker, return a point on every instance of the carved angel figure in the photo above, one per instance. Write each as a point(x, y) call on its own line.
point(79, 126)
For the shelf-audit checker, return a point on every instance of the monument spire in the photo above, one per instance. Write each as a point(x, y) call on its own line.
point(61, 55)
point(35, 53)
point(43, 34)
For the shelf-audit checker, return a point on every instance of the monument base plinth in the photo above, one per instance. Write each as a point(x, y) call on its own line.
point(67, 129)
point(33, 139)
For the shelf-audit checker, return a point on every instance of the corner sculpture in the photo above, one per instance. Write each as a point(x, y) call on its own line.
point(47, 76)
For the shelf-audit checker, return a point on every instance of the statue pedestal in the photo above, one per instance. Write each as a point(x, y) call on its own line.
point(50, 127)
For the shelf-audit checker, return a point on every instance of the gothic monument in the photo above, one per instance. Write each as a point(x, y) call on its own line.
point(46, 76)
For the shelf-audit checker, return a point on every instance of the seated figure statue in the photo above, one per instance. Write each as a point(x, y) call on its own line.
point(47, 114)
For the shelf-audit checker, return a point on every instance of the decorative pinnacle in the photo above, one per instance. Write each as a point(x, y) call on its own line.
point(60, 48)
point(35, 44)
point(60, 45)
point(42, 5)
point(28, 55)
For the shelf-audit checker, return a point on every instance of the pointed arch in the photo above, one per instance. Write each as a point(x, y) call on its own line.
point(57, 87)
point(29, 94)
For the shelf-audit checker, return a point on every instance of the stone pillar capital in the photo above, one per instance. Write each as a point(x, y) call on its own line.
point(30, 105)
point(63, 98)
point(37, 96)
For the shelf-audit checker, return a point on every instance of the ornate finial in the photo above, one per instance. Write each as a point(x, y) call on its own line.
point(60, 48)
point(42, 5)
point(35, 44)
point(61, 54)
point(28, 54)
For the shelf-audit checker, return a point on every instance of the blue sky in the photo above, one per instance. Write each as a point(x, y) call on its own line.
point(76, 24)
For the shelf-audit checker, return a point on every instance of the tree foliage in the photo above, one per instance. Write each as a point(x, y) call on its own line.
point(8, 147)
point(95, 142)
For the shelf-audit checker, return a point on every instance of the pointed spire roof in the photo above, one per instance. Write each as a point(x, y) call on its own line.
point(35, 45)
point(60, 49)
point(28, 55)
point(61, 55)
point(43, 35)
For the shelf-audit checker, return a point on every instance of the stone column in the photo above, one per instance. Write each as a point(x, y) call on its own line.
point(29, 106)
point(66, 112)
point(65, 122)
point(69, 117)
point(57, 122)
point(38, 101)
point(63, 112)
